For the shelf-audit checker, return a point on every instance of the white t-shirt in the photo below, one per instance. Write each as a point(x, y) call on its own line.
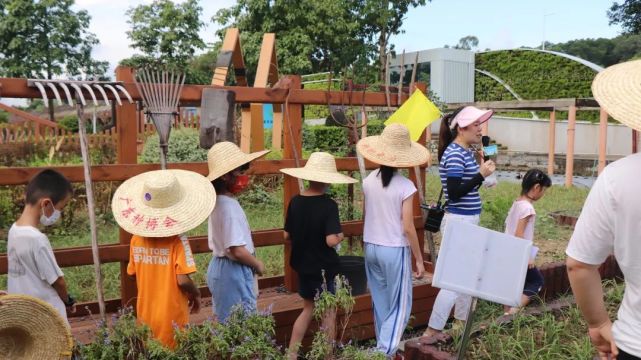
point(228, 227)
point(611, 223)
point(383, 209)
point(520, 210)
point(32, 266)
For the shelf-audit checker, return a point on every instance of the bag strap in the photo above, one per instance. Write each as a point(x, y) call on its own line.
point(440, 198)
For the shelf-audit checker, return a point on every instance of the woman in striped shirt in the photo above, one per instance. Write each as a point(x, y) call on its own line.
point(461, 176)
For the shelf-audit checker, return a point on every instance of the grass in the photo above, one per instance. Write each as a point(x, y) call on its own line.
point(550, 237)
point(547, 336)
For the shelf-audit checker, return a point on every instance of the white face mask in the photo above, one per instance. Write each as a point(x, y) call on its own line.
point(48, 221)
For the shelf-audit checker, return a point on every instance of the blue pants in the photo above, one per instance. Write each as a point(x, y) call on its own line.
point(389, 277)
point(231, 283)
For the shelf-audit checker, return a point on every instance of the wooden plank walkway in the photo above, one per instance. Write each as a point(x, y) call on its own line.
point(286, 306)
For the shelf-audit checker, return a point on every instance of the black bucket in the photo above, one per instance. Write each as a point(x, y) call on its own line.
point(353, 268)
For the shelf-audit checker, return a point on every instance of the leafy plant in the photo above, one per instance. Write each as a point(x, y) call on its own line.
point(183, 147)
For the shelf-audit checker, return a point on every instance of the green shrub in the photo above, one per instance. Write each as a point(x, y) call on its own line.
point(69, 123)
point(4, 116)
point(183, 147)
point(326, 138)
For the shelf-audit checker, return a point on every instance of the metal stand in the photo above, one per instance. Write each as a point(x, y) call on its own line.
point(468, 330)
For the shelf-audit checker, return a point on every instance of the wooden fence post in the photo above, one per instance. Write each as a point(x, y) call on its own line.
point(420, 185)
point(127, 142)
point(293, 120)
point(551, 142)
point(569, 161)
point(603, 139)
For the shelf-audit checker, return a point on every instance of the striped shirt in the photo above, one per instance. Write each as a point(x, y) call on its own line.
point(459, 162)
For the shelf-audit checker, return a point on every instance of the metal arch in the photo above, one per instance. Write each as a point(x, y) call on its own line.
point(591, 65)
point(114, 92)
point(124, 92)
point(506, 86)
point(90, 90)
point(55, 92)
point(104, 94)
point(79, 93)
point(66, 90)
point(43, 92)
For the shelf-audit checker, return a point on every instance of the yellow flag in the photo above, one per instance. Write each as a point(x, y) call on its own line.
point(416, 114)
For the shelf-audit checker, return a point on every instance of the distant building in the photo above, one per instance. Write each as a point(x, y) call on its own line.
point(449, 73)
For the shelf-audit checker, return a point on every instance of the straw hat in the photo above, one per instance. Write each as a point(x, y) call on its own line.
point(225, 156)
point(321, 167)
point(32, 329)
point(618, 91)
point(163, 202)
point(393, 148)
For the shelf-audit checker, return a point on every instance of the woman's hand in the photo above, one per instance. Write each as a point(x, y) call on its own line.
point(487, 168)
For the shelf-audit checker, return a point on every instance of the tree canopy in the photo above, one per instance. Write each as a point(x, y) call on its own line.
point(41, 39)
point(627, 14)
point(165, 32)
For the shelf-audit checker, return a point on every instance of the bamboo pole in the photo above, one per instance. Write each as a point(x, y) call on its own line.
point(86, 163)
point(551, 142)
point(603, 138)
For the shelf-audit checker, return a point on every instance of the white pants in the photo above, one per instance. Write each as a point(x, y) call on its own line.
point(446, 299)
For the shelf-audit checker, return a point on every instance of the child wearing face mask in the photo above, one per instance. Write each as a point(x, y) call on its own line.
point(232, 270)
point(33, 269)
point(313, 228)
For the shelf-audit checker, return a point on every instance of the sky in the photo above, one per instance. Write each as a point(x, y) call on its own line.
point(498, 24)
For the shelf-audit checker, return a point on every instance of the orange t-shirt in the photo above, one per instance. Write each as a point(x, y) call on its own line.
point(155, 262)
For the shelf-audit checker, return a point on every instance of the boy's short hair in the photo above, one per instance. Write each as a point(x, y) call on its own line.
point(48, 184)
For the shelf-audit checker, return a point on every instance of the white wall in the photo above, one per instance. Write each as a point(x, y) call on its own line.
point(524, 135)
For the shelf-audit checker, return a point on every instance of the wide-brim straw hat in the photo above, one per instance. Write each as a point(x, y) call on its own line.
point(32, 329)
point(163, 203)
point(617, 89)
point(226, 156)
point(393, 148)
point(321, 167)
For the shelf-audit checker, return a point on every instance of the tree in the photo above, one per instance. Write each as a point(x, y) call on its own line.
point(312, 35)
point(627, 14)
point(41, 39)
point(604, 52)
point(380, 20)
point(467, 43)
point(166, 32)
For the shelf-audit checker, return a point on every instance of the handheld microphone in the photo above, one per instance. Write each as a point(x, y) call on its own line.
point(486, 142)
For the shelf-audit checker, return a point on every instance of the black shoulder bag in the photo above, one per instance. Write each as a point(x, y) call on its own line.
point(435, 214)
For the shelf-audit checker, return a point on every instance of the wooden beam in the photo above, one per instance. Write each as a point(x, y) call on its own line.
point(30, 117)
point(231, 44)
point(569, 160)
point(603, 139)
point(551, 142)
point(192, 94)
point(79, 256)
point(542, 105)
point(120, 172)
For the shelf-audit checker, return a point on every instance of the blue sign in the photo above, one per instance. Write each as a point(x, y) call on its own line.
point(268, 116)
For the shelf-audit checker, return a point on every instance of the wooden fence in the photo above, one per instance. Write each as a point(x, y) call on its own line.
point(30, 132)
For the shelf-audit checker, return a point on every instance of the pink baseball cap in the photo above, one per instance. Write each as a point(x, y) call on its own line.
point(469, 115)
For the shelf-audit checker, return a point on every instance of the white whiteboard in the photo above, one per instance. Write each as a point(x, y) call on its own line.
point(482, 263)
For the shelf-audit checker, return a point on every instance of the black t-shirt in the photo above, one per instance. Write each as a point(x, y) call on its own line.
point(309, 220)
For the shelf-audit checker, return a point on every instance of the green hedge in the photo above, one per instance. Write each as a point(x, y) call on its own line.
point(183, 147)
point(533, 75)
point(334, 139)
